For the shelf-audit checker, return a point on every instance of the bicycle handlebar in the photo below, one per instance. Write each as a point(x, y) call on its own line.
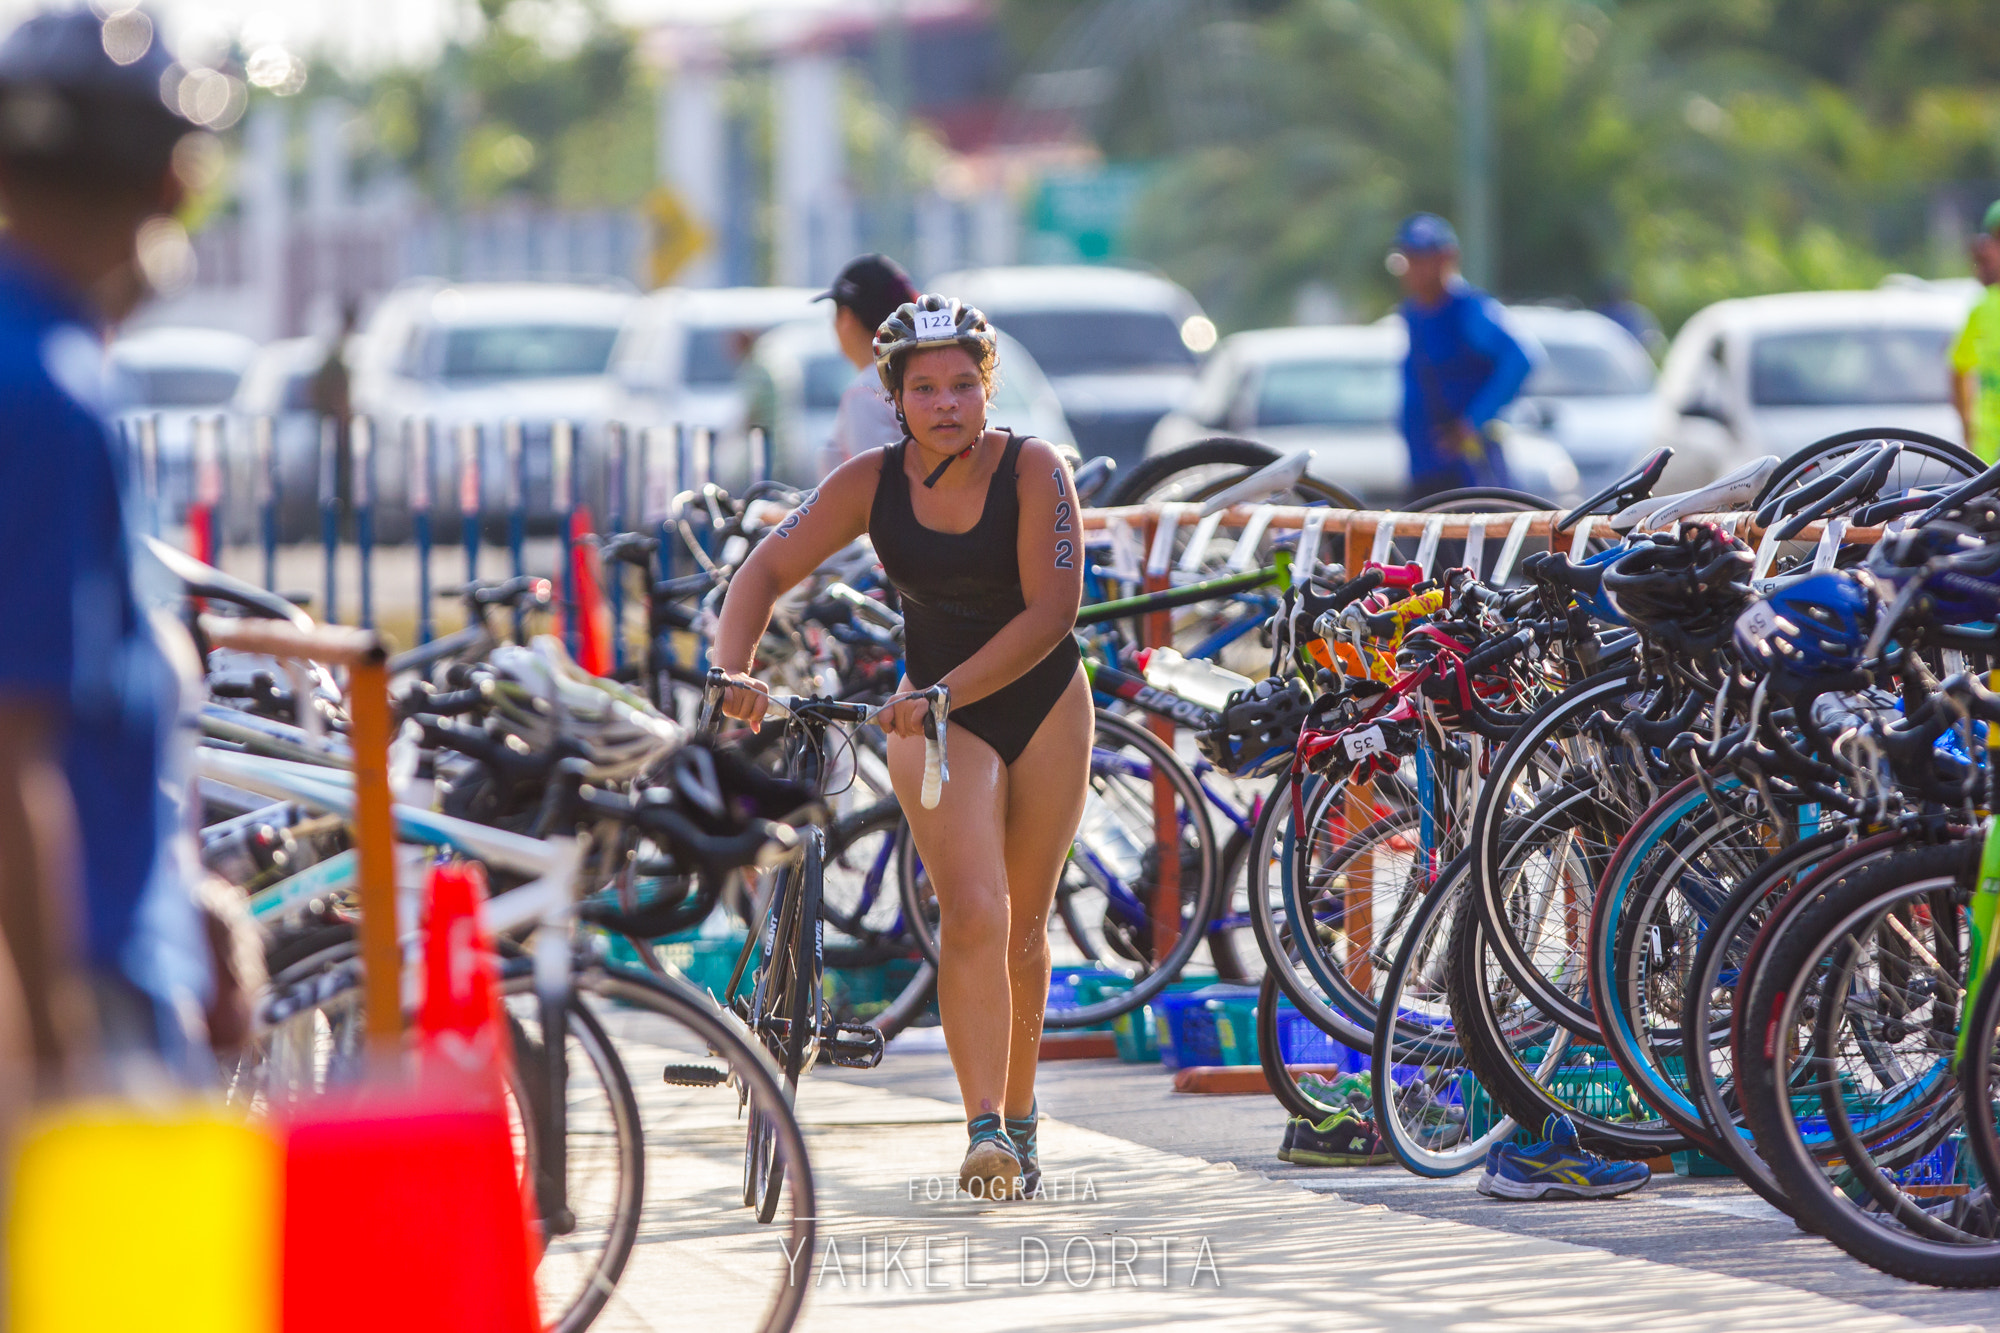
point(937, 764)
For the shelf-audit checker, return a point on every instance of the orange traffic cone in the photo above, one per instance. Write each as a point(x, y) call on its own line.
point(459, 1025)
point(593, 628)
point(419, 1197)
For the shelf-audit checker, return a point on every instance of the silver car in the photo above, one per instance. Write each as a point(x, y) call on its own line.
point(1338, 391)
point(1592, 392)
point(487, 354)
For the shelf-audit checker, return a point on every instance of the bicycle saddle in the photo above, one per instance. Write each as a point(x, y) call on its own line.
point(1266, 483)
point(1628, 490)
point(1733, 491)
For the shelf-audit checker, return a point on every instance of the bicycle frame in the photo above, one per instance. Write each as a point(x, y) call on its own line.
point(546, 905)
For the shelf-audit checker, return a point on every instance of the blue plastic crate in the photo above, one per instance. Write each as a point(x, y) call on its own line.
point(1073, 987)
point(1187, 1024)
point(1303, 1042)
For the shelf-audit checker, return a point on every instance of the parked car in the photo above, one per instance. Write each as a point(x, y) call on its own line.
point(278, 386)
point(678, 355)
point(1338, 391)
point(1772, 374)
point(175, 375)
point(1120, 347)
point(1592, 393)
point(794, 376)
point(488, 353)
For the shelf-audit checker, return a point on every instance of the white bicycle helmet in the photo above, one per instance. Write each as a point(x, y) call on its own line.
point(930, 321)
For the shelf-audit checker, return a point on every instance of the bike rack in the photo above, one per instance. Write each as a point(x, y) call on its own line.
point(365, 657)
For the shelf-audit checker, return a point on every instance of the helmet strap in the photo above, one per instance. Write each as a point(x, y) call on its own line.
point(949, 459)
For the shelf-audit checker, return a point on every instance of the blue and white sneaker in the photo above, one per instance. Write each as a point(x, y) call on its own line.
point(1557, 1168)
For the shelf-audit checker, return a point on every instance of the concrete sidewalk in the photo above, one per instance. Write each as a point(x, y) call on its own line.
point(1133, 1237)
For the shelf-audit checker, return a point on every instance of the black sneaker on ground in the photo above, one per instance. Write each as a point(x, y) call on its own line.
point(1342, 1139)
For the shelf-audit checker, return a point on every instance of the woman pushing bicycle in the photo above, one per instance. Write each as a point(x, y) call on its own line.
point(977, 530)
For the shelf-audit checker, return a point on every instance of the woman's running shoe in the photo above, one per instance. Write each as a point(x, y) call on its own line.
point(1021, 1138)
point(1557, 1168)
point(1342, 1139)
point(1349, 1090)
point(990, 1170)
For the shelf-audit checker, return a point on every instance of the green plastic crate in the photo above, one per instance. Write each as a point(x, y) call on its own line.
point(707, 962)
point(857, 994)
point(1136, 1033)
point(1695, 1162)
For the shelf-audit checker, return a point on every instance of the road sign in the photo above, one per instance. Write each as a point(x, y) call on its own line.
point(677, 236)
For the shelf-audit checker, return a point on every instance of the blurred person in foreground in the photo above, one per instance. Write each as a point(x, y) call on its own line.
point(1975, 357)
point(111, 959)
point(1463, 366)
point(867, 292)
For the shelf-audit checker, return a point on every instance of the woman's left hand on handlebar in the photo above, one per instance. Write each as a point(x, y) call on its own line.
point(904, 717)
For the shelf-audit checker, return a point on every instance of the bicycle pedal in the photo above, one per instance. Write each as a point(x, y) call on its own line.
point(696, 1076)
point(851, 1046)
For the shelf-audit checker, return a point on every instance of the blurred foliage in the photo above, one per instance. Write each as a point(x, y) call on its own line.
point(1679, 151)
point(547, 103)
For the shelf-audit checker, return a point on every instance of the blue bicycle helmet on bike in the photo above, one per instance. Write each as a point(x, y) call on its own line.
point(1814, 625)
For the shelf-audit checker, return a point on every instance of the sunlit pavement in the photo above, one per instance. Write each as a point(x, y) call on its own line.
point(1170, 1208)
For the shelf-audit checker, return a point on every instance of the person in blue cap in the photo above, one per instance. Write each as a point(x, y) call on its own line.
point(106, 954)
point(1463, 366)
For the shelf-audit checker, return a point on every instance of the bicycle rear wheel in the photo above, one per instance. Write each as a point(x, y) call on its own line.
point(1858, 998)
point(1106, 899)
point(785, 1007)
point(1429, 1105)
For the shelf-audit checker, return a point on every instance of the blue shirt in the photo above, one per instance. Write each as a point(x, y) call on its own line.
point(1463, 365)
point(75, 640)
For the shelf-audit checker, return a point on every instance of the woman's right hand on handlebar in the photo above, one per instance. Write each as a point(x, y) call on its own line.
point(745, 698)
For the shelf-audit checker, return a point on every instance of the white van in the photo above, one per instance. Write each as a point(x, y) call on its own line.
point(1773, 374)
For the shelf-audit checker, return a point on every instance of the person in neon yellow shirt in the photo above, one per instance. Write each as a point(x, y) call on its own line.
point(1975, 357)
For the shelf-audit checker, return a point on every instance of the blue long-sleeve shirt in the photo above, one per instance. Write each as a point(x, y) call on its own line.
point(1463, 365)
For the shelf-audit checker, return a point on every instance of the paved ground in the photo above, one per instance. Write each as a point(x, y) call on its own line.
point(1140, 1174)
point(1713, 1227)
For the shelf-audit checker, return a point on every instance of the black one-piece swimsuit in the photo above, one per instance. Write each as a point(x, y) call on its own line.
point(958, 589)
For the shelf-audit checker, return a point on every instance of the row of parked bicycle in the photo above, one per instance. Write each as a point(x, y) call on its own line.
point(1670, 834)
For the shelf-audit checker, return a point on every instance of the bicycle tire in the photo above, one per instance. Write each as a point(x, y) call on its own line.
point(1710, 1005)
point(1414, 1031)
point(1198, 862)
point(1267, 845)
point(789, 990)
point(1979, 1075)
point(1688, 853)
point(1342, 863)
point(320, 997)
point(756, 1081)
point(1494, 1049)
point(1794, 468)
point(1550, 744)
point(1790, 966)
point(1480, 500)
point(1152, 474)
point(1270, 1055)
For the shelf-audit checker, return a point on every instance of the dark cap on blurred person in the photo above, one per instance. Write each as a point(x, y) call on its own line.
point(85, 97)
point(1424, 234)
point(1990, 224)
point(872, 287)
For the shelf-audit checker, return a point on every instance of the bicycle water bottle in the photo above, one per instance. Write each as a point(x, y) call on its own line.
point(1197, 681)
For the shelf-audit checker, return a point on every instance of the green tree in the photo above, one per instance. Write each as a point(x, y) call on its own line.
point(1681, 150)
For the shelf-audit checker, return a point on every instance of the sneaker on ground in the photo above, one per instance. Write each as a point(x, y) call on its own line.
point(1349, 1090)
point(1342, 1139)
point(1557, 1168)
point(991, 1169)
